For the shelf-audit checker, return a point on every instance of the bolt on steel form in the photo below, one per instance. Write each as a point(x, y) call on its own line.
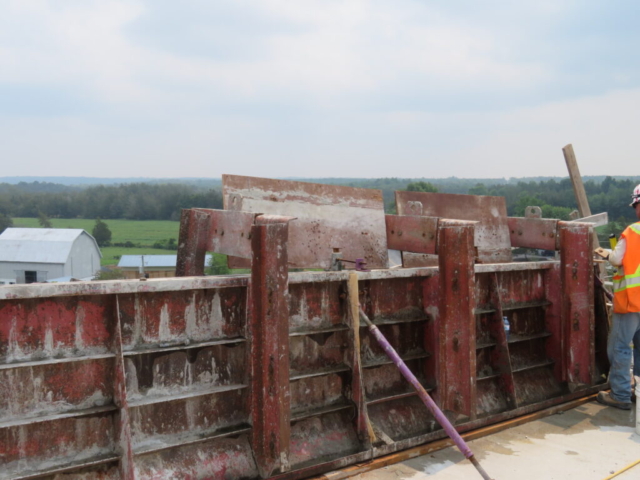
point(270, 374)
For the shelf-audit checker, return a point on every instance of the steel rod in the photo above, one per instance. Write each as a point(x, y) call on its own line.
point(424, 396)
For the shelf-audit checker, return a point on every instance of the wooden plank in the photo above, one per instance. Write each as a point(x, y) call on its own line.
point(576, 180)
point(583, 205)
point(363, 424)
point(500, 354)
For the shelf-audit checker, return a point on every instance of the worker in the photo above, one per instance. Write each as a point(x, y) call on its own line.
point(625, 328)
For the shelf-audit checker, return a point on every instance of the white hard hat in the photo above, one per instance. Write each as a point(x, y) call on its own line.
point(635, 196)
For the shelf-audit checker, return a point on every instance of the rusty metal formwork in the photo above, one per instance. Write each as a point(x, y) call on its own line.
point(270, 374)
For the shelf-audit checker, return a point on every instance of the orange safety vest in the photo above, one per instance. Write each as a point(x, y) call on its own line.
point(626, 281)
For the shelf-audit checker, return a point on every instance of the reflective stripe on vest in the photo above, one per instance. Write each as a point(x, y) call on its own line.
point(627, 278)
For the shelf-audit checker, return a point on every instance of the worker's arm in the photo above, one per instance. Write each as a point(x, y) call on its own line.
point(616, 255)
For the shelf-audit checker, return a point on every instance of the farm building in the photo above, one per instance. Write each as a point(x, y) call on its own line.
point(156, 266)
point(29, 255)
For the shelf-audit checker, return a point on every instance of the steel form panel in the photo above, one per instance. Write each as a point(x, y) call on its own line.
point(328, 217)
point(244, 376)
point(492, 232)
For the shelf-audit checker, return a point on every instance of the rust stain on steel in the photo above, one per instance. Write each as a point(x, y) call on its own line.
point(123, 426)
point(192, 243)
point(492, 231)
point(533, 233)
point(229, 232)
point(269, 327)
point(198, 377)
point(328, 216)
point(576, 273)
point(412, 233)
point(456, 306)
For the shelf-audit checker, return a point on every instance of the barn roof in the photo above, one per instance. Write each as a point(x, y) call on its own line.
point(39, 245)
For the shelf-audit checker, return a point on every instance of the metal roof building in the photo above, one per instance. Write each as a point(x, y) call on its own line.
point(154, 265)
point(30, 255)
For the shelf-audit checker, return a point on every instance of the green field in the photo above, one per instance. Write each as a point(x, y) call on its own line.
point(142, 232)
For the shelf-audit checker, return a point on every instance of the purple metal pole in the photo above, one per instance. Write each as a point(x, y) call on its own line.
point(424, 396)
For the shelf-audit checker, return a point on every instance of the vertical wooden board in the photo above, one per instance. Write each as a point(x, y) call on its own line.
point(576, 242)
point(456, 379)
point(491, 234)
point(327, 217)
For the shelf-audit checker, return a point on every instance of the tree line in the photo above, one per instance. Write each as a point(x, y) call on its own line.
point(152, 201)
point(134, 201)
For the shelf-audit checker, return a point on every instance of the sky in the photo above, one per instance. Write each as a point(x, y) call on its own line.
point(285, 88)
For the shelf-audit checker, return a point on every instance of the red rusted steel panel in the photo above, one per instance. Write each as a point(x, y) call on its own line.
point(328, 217)
point(576, 273)
point(553, 322)
point(415, 260)
point(457, 375)
point(412, 233)
point(533, 232)
point(204, 401)
point(491, 233)
point(192, 243)
point(269, 327)
point(123, 425)
point(229, 232)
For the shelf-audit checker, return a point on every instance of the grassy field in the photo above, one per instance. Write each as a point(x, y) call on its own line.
point(143, 232)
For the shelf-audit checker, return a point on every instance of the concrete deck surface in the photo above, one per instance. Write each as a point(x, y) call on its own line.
point(588, 442)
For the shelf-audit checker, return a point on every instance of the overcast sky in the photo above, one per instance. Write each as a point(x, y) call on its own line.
point(279, 88)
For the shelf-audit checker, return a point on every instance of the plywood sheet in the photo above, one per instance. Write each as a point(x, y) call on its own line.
point(327, 217)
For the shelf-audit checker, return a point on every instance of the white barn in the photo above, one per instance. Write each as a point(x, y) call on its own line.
point(30, 255)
